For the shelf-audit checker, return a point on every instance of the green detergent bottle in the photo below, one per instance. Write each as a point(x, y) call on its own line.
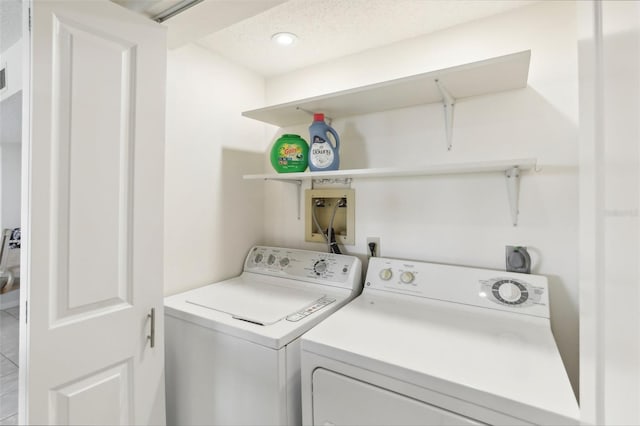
point(290, 153)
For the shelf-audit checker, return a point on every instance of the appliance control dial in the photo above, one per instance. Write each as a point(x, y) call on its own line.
point(271, 259)
point(386, 274)
point(284, 261)
point(258, 258)
point(510, 292)
point(320, 267)
point(407, 277)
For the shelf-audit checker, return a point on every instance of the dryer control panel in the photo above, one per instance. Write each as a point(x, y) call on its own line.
point(310, 266)
point(507, 291)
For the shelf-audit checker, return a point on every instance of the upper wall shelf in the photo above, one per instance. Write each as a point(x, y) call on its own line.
point(446, 85)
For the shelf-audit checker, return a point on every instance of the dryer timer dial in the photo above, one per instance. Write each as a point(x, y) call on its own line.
point(511, 292)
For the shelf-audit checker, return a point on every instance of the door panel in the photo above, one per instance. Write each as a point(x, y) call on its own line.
point(92, 89)
point(108, 392)
point(94, 223)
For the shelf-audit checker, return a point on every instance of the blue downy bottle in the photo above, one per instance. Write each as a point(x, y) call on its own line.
point(323, 155)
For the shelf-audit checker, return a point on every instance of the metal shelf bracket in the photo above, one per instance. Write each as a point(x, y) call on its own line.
point(513, 191)
point(299, 195)
point(331, 181)
point(448, 103)
point(327, 119)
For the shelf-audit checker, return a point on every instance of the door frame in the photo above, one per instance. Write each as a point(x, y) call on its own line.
point(598, 327)
point(25, 212)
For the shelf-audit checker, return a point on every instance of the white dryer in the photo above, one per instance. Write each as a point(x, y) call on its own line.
point(429, 344)
point(232, 348)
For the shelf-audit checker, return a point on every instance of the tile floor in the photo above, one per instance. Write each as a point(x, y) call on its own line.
point(9, 338)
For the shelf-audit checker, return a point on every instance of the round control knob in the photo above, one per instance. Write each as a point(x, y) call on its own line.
point(258, 258)
point(320, 267)
point(271, 259)
point(386, 274)
point(510, 292)
point(407, 277)
point(284, 261)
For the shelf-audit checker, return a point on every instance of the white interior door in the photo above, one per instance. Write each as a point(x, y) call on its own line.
point(94, 216)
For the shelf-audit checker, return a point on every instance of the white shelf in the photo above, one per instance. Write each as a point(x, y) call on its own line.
point(431, 169)
point(493, 75)
point(444, 86)
point(510, 168)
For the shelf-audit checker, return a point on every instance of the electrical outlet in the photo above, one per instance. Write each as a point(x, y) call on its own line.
point(376, 248)
point(518, 259)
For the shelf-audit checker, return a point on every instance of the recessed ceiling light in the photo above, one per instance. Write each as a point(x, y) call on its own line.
point(284, 39)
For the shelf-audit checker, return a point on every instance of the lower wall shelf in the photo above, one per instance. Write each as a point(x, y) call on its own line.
point(510, 168)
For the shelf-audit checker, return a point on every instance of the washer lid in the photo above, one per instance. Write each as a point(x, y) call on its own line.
point(256, 302)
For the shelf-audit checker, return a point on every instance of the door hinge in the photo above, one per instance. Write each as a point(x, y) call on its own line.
point(29, 19)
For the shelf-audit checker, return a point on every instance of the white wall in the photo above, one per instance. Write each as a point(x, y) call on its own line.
point(10, 119)
point(10, 169)
point(11, 137)
point(212, 216)
point(10, 23)
point(462, 219)
point(11, 60)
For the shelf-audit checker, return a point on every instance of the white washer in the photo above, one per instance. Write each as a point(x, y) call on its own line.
point(429, 344)
point(232, 348)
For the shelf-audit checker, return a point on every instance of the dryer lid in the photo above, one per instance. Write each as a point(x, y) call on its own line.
point(257, 302)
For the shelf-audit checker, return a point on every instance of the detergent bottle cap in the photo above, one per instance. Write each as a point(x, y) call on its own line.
point(318, 116)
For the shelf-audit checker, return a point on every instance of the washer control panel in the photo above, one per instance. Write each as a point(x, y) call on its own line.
point(315, 307)
point(515, 292)
point(324, 268)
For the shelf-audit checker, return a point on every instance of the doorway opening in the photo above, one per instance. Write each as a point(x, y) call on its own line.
point(11, 57)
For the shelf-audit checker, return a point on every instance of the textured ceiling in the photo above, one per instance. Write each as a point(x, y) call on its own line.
point(329, 29)
point(200, 20)
point(210, 16)
point(240, 30)
point(10, 23)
